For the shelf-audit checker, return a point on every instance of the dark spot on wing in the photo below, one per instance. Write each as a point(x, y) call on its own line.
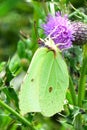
point(22, 82)
point(52, 102)
point(32, 80)
point(50, 89)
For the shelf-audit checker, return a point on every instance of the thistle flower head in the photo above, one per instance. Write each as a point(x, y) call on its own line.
point(80, 33)
point(60, 30)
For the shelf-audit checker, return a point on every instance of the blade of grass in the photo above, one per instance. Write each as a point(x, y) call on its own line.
point(20, 117)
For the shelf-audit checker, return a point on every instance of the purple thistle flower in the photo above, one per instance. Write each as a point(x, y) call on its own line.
point(60, 30)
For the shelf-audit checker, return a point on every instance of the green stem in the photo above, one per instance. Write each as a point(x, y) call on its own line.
point(45, 7)
point(82, 81)
point(81, 90)
point(22, 119)
point(78, 122)
point(72, 91)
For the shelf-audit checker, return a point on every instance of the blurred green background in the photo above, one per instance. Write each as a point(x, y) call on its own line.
point(15, 15)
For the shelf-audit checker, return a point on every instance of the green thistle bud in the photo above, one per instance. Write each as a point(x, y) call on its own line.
point(80, 33)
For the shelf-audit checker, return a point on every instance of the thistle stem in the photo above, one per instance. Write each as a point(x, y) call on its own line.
point(82, 81)
point(22, 119)
point(72, 91)
point(81, 90)
point(78, 122)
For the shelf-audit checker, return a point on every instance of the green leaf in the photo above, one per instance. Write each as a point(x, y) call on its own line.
point(21, 49)
point(11, 95)
point(45, 84)
point(2, 66)
point(15, 65)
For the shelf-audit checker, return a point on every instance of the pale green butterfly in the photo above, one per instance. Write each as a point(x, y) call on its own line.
point(45, 84)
